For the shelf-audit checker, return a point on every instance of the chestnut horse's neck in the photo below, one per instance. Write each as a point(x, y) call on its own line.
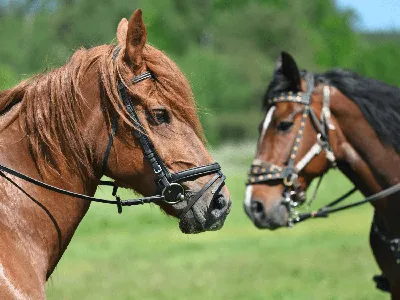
point(37, 228)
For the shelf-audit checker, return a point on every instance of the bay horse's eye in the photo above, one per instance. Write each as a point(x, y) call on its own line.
point(284, 126)
point(160, 116)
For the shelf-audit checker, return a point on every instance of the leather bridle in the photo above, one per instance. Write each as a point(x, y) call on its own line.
point(261, 172)
point(169, 185)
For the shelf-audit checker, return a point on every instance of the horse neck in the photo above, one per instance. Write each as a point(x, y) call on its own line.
point(42, 228)
point(371, 165)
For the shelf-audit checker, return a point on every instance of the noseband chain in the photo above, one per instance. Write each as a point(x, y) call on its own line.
point(261, 172)
point(169, 187)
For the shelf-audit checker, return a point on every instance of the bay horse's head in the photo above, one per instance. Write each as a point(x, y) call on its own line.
point(163, 150)
point(294, 147)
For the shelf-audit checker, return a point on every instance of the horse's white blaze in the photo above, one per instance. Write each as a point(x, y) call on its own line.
point(266, 123)
point(247, 199)
point(249, 189)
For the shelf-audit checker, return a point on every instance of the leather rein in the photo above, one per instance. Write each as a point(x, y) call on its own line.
point(169, 188)
point(262, 172)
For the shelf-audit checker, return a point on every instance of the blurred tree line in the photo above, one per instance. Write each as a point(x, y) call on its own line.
point(227, 48)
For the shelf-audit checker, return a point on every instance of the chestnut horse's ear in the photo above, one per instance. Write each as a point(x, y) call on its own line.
point(135, 39)
point(122, 32)
point(286, 66)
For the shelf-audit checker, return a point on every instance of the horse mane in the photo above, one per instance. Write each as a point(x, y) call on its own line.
point(378, 101)
point(52, 103)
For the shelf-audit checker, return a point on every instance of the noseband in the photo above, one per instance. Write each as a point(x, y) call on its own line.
point(168, 185)
point(261, 172)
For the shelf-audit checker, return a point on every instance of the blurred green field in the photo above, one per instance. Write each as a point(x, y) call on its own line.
point(141, 254)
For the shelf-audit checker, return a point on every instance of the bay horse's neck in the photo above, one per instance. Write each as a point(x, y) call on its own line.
point(370, 164)
point(37, 231)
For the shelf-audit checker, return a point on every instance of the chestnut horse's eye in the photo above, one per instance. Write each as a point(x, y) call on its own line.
point(284, 126)
point(160, 116)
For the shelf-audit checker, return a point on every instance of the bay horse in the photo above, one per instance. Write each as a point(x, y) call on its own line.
point(125, 111)
point(315, 122)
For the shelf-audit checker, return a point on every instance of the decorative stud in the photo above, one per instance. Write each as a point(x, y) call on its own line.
point(260, 177)
point(263, 170)
point(269, 176)
point(293, 156)
point(252, 180)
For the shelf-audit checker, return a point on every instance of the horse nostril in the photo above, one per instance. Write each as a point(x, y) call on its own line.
point(257, 207)
point(219, 202)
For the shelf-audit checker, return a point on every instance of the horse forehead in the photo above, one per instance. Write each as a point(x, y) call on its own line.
point(285, 109)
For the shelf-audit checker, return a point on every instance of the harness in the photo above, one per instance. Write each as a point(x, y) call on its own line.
point(262, 172)
point(169, 187)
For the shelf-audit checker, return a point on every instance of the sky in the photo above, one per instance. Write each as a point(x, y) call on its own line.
point(375, 15)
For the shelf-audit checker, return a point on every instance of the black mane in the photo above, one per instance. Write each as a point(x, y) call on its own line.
point(378, 101)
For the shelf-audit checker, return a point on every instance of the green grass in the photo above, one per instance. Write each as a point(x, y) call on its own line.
point(141, 254)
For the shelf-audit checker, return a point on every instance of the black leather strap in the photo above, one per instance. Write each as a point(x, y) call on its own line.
point(114, 127)
point(55, 189)
point(200, 193)
point(193, 173)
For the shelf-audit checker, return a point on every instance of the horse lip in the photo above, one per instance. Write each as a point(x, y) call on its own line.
point(194, 225)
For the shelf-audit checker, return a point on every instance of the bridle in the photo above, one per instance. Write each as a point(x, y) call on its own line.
point(262, 172)
point(169, 187)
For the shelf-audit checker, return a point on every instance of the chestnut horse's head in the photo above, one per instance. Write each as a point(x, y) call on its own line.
point(163, 101)
point(295, 146)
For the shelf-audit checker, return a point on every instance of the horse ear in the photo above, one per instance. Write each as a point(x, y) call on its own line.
point(122, 32)
point(287, 66)
point(135, 38)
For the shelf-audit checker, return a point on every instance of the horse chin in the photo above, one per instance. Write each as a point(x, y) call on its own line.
point(189, 224)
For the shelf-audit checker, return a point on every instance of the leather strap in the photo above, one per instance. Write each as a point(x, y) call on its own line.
point(200, 193)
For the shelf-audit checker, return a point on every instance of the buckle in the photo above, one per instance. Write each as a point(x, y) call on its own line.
point(173, 193)
point(290, 179)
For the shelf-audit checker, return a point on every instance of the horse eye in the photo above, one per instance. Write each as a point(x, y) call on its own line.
point(161, 116)
point(284, 126)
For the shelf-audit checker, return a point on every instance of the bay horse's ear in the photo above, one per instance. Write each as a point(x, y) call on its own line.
point(122, 32)
point(135, 39)
point(287, 66)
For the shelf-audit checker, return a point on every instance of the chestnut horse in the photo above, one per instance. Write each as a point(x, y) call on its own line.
point(314, 122)
point(58, 128)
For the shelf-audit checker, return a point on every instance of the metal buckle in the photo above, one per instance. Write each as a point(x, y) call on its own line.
point(158, 171)
point(173, 193)
point(289, 180)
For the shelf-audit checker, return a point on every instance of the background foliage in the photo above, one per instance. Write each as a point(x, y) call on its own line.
point(226, 48)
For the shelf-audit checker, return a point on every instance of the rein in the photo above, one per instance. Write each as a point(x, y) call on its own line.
point(262, 172)
point(169, 188)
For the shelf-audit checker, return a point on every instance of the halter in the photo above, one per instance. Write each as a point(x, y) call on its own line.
point(169, 188)
point(261, 172)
